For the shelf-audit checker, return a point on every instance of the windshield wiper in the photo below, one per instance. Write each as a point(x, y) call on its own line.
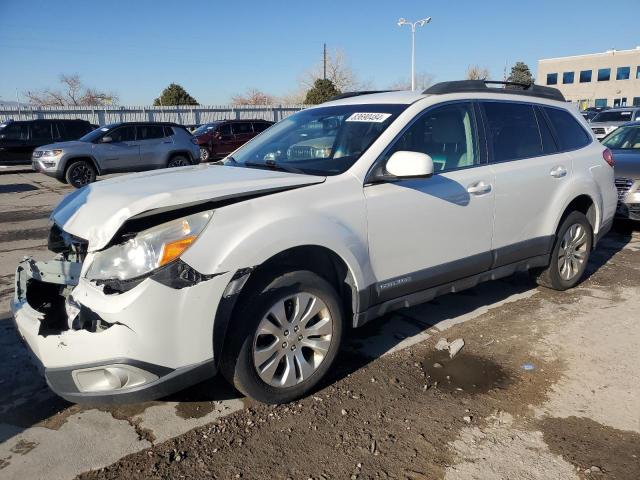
point(272, 165)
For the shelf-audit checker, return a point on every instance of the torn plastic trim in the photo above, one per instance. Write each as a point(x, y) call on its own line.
point(176, 275)
point(152, 218)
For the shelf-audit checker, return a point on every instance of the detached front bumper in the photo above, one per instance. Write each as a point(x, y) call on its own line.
point(94, 347)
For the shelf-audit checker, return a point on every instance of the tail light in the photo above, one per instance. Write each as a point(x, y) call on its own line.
point(608, 157)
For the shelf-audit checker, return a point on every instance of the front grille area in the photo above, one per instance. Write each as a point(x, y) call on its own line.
point(37, 154)
point(598, 130)
point(623, 185)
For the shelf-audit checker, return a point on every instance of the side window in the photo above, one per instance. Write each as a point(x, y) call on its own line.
point(241, 128)
point(15, 131)
point(512, 131)
point(150, 132)
point(548, 143)
point(41, 132)
point(168, 131)
point(447, 134)
point(225, 129)
point(260, 127)
point(570, 134)
point(123, 134)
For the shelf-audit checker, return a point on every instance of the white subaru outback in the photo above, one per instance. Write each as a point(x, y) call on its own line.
point(260, 267)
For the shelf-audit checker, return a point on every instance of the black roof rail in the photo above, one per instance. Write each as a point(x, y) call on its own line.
point(356, 94)
point(512, 88)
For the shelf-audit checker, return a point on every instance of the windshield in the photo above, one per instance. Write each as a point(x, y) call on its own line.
point(624, 138)
point(616, 116)
point(205, 128)
point(318, 141)
point(97, 133)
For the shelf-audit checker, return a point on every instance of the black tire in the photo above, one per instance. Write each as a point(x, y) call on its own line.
point(205, 155)
point(237, 362)
point(80, 173)
point(550, 276)
point(179, 161)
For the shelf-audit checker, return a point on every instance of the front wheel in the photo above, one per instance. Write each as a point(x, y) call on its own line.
point(178, 161)
point(285, 337)
point(80, 173)
point(570, 254)
point(204, 154)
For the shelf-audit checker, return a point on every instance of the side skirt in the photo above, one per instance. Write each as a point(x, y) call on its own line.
point(429, 294)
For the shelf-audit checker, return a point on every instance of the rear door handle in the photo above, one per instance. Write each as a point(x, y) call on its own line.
point(479, 188)
point(558, 172)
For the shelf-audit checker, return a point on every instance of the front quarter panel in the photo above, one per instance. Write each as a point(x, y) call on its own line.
point(246, 234)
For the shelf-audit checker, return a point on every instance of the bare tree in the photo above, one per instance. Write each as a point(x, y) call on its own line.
point(253, 96)
point(423, 81)
point(476, 72)
point(339, 71)
point(73, 93)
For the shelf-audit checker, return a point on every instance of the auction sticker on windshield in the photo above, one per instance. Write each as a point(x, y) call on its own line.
point(368, 117)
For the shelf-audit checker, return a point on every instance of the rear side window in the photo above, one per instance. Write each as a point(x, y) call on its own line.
point(150, 132)
point(240, 128)
point(260, 127)
point(225, 129)
point(571, 135)
point(548, 142)
point(512, 131)
point(41, 132)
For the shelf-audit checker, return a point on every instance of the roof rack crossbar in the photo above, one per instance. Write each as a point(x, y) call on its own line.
point(512, 88)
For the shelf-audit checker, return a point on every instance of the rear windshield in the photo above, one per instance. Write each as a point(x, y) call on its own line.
point(617, 116)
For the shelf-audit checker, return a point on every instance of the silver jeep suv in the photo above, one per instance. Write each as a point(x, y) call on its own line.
point(118, 147)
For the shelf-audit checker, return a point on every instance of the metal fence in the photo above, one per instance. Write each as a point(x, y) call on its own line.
point(182, 115)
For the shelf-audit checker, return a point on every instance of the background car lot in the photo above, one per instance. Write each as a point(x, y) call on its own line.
point(583, 387)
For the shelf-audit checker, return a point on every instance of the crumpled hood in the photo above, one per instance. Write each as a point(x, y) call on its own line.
point(97, 211)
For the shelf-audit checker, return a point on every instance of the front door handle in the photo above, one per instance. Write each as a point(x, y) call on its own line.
point(558, 172)
point(479, 188)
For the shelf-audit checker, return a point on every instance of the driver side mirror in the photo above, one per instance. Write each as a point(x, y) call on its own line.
point(107, 139)
point(404, 164)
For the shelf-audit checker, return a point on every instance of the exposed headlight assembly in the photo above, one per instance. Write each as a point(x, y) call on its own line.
point(149, 249)
point(50, 153)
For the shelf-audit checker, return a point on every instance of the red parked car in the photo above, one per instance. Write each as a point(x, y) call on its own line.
point(219, 139)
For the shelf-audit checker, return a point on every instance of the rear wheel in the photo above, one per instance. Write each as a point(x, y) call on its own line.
point(179, 161)
point(80, 173)
point(570, 254)
point(286, 337)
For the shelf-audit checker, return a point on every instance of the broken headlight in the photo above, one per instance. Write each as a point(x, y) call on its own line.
point(149, 249)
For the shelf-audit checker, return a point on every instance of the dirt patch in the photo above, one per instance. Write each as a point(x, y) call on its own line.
point(614, 453)
point(23, 447)
point(464, 373)
point(4, 462)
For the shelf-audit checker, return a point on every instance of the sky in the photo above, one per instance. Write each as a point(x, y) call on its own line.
point(217, 49)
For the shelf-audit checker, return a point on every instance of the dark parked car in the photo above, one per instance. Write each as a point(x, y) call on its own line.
point(219, 139)
point(590, 112)
point(18, 139)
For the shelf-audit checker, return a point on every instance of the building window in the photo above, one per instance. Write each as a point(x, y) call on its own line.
point(567, 77)
point(552, 78)
point(604, 74)
point(585, 76)
point(638, 72)
point(623, 73)
point(601, 102)
point(636, 101)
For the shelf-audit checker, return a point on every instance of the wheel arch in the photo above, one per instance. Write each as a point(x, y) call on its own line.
point(175, 153)
point(585, 204)
point(75, 158)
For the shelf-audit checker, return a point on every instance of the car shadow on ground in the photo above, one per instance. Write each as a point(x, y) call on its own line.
point(25, 399)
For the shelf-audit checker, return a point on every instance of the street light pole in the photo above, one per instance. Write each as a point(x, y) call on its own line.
point(419, 23)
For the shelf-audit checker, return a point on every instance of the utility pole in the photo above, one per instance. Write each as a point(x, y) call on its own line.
point(324, 62)
point(419, 23)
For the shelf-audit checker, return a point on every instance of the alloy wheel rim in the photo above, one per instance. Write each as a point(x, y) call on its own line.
point(179, 162)
point(204, 154)
point(81, 175)
point(573, 252)
point(292, 340)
